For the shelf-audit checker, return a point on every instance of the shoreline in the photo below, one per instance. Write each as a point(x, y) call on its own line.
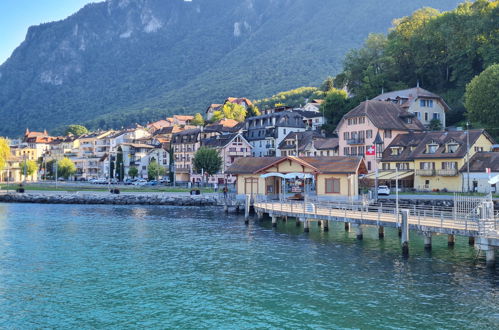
point(110, 199)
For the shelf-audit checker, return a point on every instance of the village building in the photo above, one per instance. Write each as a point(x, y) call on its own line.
point(308, 143)
point(266, 132)
point(311, 178)
point(246, 103)
point(313, 120)
point(425, 105)
point(432, 158)
point(314, 105)
point(230, 147)
point(482, 167)
point(372, 125)
point(40, 141)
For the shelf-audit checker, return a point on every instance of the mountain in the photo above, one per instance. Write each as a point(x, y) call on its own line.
point(123, 61)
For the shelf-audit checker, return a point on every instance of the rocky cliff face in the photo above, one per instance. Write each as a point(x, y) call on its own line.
point(121, 61)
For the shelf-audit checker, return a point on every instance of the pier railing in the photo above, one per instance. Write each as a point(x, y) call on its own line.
point(442, 218)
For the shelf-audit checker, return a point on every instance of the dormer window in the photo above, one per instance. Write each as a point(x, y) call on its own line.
point(452, 147)
point(396, 151)
point(431, 148)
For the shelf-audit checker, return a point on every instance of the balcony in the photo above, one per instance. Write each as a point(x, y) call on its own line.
point(356, 141)
point(425, 172)
point(447, 172)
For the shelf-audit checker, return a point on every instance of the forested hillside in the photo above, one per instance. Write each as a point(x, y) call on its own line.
point(123, 61)
point(441, 51)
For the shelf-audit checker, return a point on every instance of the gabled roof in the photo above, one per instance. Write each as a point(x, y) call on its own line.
point(308, 114)
point(385, 115)
point(304, 140)
point(326, 143)
point(481, 161)
point(213, 107)
point(417, 141)
point(221, 141)
point(411, 94)
point(320, 165)
point(238, 100)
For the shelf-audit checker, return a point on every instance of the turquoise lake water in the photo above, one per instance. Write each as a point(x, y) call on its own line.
point(82, 266)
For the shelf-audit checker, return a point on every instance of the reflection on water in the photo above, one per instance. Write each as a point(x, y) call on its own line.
point(118, 266)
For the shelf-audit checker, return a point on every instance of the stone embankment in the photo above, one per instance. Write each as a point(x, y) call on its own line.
point(123, 199)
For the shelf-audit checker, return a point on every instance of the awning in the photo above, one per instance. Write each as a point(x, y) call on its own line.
point(288, 175)
point(389, 175)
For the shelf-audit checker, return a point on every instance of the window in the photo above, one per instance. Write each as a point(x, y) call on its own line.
point(345, 151)
point(478, 149)
point(449, 165)
point(353, 151)
point(332, 186)
point(361, 151)
point(369, 134)
point(369, 166)
point(426, 116)
point(417, 114)
point(395, 151)
point(386, 166)
point(427, 166)
point(284, 131)
point(452, 147)
point(402, 166)
point(436, 116)
point(426, 103)
point(431, 148)
point(346, 135)
point(388, 133)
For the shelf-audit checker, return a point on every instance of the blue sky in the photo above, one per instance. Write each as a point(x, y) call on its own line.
point(17, 15)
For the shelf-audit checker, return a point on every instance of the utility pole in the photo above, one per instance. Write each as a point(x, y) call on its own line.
point(468, 153)
point(296, 143)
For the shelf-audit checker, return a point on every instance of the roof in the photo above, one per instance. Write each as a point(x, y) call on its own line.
point(283, 119)
point(411, 94)
point(326, 143)
point(225, 123)
point(220, 141)
point(213, 107)
point(385, 115)
point(321, 165)
point(308, 114)
point(138, 145)
point(183, 117)
point(239, 100)
point(304, 140)
point(483, 160)
point(414, 144)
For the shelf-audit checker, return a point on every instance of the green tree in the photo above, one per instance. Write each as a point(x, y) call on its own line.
point(133, 172)
point(230, 111)
point(207, 160)
point(154, 170)
point(253, 111)
point(29, 167)
point(435, 125)
point(65, 168)
point(327, 85)
point(335, 106)
point(482, 98)
point(76, 130)
point(198, 120)
point(4, 153)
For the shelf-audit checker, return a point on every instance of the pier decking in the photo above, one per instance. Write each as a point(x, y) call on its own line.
point(480, 224)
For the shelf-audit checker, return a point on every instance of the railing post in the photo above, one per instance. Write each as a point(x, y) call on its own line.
point(441, 219)
point(405, 232)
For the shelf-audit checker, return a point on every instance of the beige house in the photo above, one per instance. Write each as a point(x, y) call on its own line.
point(372, 125)
point(323, 178)
point(433, 159)
point(425, 105)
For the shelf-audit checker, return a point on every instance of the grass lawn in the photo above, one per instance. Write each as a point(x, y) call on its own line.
point(101, 188)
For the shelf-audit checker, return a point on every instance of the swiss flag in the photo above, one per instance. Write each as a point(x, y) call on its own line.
point(371, 151)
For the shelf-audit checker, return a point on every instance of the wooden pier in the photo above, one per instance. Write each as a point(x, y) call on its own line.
point(479, 224)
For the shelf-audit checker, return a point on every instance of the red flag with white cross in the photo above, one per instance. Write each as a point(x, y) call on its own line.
point(371, 151)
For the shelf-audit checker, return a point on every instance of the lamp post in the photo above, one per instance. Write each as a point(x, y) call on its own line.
point(468, 153)
point(378, 149)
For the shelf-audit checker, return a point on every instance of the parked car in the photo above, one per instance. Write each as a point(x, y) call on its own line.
point(128, 182)
point(140, 182)
point(383, 190)
point(152, 183)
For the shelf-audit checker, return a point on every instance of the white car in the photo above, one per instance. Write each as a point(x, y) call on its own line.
point(383, 190)
point(140, 182)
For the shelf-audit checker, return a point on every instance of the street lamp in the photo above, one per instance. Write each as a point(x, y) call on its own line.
point(378, 148)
